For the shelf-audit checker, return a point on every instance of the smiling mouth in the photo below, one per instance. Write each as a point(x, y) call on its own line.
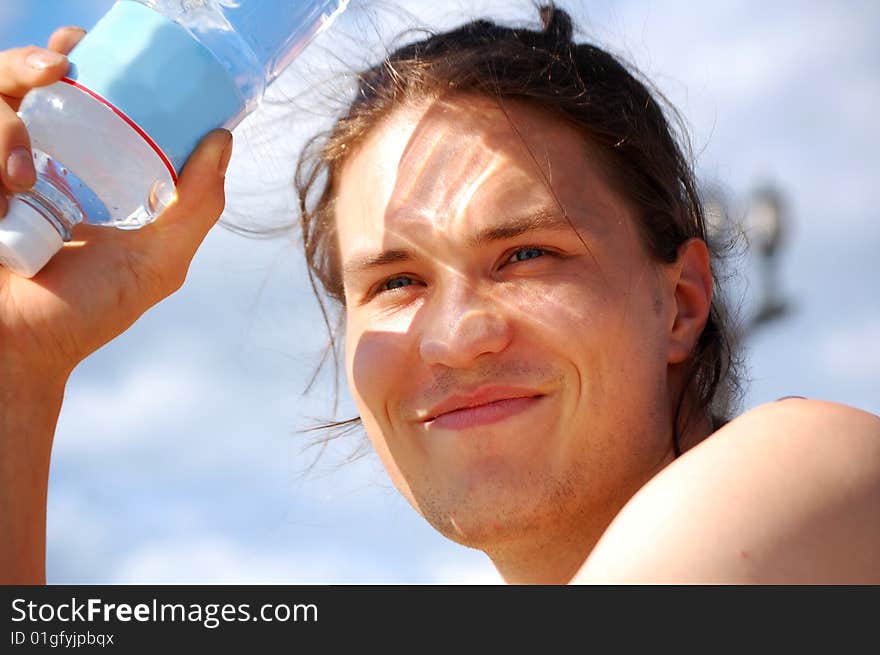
point(485, 414)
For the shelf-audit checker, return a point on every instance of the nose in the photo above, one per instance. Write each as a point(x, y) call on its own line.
point(463, 325)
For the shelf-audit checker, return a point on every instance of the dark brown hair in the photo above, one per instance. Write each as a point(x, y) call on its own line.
point(580, 83)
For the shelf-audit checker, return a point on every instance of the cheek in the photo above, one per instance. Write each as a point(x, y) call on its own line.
point(630, 351)
point(610, 331)
point(375, 366)
point(567, 314)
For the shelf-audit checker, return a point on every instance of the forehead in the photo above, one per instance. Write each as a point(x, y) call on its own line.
point(451, 165)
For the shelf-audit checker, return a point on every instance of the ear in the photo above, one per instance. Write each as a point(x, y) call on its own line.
point(691, 278)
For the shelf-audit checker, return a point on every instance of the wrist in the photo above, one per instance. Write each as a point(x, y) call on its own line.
point(22, 379)
point(30, 403)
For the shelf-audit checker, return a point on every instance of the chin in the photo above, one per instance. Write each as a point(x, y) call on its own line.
point(484, 512)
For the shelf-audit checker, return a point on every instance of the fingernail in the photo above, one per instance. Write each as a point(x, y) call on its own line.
point(225, 157)
point(20, 168)
point(43, 59)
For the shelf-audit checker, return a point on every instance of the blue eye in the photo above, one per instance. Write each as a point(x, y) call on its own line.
point(527, 253)
point(395, 283)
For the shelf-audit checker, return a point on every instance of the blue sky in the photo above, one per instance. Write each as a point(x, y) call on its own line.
point(176, 457)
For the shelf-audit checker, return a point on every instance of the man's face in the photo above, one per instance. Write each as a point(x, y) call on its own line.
point(510, 372)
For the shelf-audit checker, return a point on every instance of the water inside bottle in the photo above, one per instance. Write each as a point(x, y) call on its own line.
point(92, 161)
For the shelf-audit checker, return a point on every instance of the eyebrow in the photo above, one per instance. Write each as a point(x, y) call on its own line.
point(541, 219)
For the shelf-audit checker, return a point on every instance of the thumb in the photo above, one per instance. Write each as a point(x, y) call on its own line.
point(200, 198)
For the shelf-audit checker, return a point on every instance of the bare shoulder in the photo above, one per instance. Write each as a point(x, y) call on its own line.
point(787, 493)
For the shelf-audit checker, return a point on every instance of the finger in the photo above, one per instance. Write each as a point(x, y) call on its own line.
point(16, 161)
point(173, 239)
point(22, 69)
point(65, 38)
point(200, 192)
point(4, 205)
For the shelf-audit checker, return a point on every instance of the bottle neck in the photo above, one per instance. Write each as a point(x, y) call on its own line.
point(54, 205)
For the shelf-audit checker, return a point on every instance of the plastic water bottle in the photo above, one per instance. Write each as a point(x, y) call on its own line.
point(144, 86)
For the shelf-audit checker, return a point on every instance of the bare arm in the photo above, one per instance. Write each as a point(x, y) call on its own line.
point(788, 493)
point(28, 413)
point(83, 298)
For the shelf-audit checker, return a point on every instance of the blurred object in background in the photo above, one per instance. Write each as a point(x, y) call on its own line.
point(765, 224)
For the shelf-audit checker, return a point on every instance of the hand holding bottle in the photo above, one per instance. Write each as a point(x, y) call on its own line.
point(89, 293)
point(104, 279)
point(194, 66)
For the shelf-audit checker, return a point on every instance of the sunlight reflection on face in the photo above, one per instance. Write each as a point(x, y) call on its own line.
point(434, 209)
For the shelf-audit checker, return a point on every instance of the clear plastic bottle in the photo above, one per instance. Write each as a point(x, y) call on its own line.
point(144, 86)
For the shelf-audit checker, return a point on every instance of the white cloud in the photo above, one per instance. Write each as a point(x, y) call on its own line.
point(81, 540)
point(106, 414)
point(82, 531)
point(214, 559)
point(464, 573)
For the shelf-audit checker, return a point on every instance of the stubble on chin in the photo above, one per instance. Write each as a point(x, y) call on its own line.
point(501, 511)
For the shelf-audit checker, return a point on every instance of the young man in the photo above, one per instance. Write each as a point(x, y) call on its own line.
point(517, 380)
point(531, 333)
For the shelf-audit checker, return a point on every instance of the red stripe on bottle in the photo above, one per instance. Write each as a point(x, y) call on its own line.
point(131, 124)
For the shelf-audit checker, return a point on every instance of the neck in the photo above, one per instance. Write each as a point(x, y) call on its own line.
point(553, 558)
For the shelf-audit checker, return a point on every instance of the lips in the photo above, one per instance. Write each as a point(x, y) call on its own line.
point(486, 405)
